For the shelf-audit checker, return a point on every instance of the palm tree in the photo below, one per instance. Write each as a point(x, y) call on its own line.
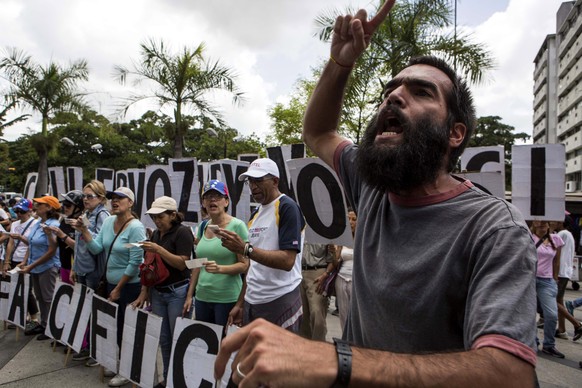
point(413, 28)
point(183, 80)
point(46, 90)
point(3, 120)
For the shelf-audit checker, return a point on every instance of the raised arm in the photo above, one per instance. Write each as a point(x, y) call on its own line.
point(351, 36)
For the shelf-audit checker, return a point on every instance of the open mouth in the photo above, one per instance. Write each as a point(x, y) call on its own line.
point(390, 124)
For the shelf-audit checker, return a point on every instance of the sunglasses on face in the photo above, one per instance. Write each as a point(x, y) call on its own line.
point(19, 212)
point(90, 196)
point(257, 180)
point(213, 197)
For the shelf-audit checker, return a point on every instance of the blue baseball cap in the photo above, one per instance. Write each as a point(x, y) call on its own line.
point(24, 205)
point(215, 185)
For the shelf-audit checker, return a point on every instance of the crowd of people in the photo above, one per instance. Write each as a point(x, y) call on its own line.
point(408, 213)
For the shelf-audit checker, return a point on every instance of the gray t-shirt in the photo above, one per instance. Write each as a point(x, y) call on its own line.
point(447, 272)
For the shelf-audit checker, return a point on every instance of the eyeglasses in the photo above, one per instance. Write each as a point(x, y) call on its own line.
point(20, 212)
point(213, 197)
point(90, 196)
point(257, 180)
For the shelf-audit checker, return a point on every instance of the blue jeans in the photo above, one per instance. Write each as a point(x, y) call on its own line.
point(128, 294)
point(91, 280)
point(547, 290)
point(168, 305)
point(212, 312)
point(577, 303)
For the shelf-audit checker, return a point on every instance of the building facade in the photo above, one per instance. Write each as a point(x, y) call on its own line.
point(558, 90)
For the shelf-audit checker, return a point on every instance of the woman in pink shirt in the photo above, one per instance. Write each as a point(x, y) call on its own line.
point(548, 248)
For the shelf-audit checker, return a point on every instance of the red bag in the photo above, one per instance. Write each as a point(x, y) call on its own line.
point(152, 271)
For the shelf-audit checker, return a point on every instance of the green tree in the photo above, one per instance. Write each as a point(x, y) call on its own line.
point(413, 28)
point(45, 90)
point(184, 80)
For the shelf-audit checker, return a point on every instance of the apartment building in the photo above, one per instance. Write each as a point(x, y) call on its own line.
point(558, 90)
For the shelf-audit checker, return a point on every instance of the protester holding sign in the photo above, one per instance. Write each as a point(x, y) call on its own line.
point(172, 243)
point(16, 252)
point(274, 249)
point(432, 253)
point(218, 284)
point(88, 268)
point(72, 207)
point(343, 283)
point(115, 238)
point(43, 256)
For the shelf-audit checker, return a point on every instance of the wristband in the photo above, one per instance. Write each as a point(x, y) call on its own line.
point(344, 360)
point(339, 64)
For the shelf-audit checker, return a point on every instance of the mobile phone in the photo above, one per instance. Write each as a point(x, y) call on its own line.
point(214, 228)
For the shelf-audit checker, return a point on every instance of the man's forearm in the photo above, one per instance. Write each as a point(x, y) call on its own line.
point(324, 108)
point(485, 367)
point(283, 260)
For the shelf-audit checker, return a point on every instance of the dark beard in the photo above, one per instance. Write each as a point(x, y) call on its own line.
point(415, 162)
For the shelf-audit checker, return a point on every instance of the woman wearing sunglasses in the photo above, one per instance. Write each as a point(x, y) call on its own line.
point(219, 283)
point(122, 269)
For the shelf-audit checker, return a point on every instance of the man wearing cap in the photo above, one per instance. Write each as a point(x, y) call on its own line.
point(274, 247)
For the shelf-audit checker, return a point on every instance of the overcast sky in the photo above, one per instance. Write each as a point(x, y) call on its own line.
point(269, 43)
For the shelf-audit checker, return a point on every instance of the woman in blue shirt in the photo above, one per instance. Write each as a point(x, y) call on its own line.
point(43, 256)
point(123, 263)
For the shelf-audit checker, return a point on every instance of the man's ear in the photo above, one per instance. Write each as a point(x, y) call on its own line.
point(457, 135)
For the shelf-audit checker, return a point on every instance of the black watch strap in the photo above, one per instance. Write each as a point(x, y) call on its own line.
point(344, 360)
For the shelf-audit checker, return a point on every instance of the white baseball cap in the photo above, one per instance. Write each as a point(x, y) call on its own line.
point(163, 204)
point(259, 168)
point(121, 192)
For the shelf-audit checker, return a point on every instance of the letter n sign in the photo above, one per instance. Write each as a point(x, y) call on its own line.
point(538, 181)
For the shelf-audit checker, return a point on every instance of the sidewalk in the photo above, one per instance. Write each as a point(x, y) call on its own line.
point(29, 363)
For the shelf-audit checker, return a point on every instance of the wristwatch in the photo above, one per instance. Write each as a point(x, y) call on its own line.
point(250, 251)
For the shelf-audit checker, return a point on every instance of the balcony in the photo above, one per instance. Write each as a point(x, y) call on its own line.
point(567, 102)
point(574, 165)
point(573, 142)
point(570, 78)
point(570, 58)
point(539, 115)
point(541, 64)
point(540, 97)
point(573, 33)
point(540, 82)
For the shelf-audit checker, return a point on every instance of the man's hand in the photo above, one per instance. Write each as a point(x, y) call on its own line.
point(269, 355)
point(235, 317)
point(352, 34)
point(231, 241)
point(73, 277)
point(320, 281)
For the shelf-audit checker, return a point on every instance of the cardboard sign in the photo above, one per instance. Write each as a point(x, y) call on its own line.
point(538, 180)
point(69, 314)
point(194, 350)
point(18, 298)
point(104, 347)
point(486, 167)
point(141, 336)
point(322, 201)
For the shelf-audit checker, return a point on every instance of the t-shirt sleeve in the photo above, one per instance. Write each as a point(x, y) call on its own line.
point(501, 304)
point(242, 230)
point(558, 242)
point(184, 242)
point(346, 169)
point(291, 223)
point(136, 233)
